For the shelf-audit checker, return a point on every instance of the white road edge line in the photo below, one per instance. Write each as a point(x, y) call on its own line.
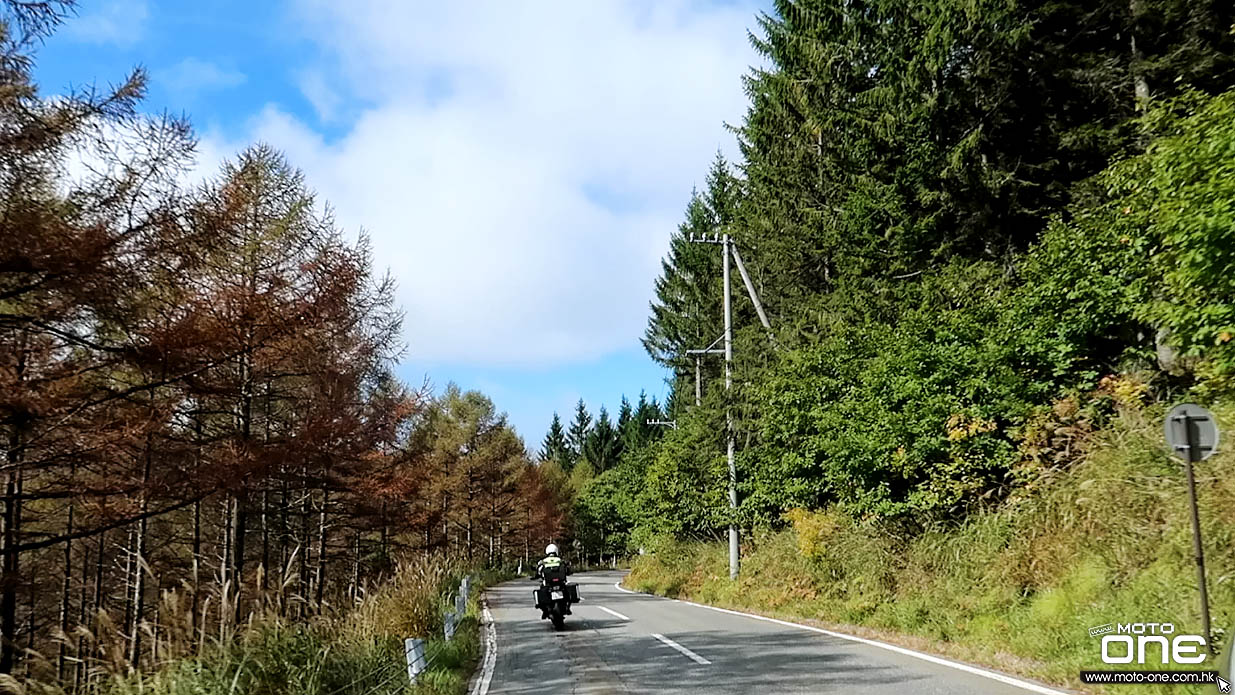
point(613, 613)
point(689, 654)
point(480, 686)
point(993, 675)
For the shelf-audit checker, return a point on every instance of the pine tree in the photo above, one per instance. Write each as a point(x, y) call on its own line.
point(625, 413)
point(686, 313)
point(555, 446)
point(576, 437)
point(603, 447)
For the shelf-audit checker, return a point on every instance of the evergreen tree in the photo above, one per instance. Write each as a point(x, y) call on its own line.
point(686, 313)
point(576, 437)
point(625, 413)
point(603, 446)
point(555, 446)
point(631, 429)
point(635, 433)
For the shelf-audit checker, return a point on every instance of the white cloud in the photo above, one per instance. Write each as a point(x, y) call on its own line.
point(193, 76)
point(519, 168)
point(325, 99)
point(118, 22)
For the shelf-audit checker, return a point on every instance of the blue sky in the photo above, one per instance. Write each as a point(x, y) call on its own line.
point(519, 167)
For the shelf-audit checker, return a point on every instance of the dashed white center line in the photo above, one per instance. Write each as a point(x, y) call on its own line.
point(689, 654)
point(613, 613)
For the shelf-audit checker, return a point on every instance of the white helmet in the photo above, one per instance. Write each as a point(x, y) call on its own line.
point(551, 549)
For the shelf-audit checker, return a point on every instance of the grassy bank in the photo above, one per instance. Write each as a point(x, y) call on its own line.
point(353, 652)
point(1104, 539)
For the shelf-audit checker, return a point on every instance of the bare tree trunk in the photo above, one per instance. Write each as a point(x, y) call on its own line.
point(97, 602)
point(320, 580)
point(10, 565)
point(226, 565)
point(139, 562)
point(10, 534)
point(1140, 87)
point(356, 570)
point(195, 608)
point(385, 542)
point(195, 603)
point(66, 588)
point(446, 519)
point(128, 582)
point(265, 567)
point(158, 618)
point(240, 528)
point(31, 624)
point(306, 543)
point(138, 598)
point(285, 529)
point(79, 667)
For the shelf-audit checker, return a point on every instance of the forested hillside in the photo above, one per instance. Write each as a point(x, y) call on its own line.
point(994, 239)
point(979, 228)
point(199, 419)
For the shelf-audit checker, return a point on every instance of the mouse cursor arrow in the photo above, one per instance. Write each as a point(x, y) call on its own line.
point(1223, 685)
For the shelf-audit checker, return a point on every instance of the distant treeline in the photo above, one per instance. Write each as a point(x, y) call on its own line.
point(978, 228)
point(197, 409)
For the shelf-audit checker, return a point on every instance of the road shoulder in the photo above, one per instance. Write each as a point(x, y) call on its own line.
point(951, 656)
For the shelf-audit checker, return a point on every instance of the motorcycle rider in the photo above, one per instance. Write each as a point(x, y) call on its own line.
point(551, 561)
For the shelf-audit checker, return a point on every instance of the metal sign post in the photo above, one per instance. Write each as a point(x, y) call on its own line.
point(1192, 434)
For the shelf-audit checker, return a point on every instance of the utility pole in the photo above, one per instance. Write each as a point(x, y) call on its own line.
point(729, 249)
point(698, 380)
point(709, 350)
point(733, 469)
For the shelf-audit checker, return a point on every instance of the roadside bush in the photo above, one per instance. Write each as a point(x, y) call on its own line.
point(1016, 587)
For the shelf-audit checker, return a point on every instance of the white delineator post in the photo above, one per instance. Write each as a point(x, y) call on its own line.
point(414, 649)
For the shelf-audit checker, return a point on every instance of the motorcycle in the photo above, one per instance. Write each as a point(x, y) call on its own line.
point(555, 595)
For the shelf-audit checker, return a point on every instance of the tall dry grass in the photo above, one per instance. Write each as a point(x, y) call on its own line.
point(352, 645)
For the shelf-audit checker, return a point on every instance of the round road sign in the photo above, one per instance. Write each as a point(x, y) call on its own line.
point(1191, 432)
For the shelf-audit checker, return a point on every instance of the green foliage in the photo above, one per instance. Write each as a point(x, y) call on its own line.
point(686, 313)
point(635, 431)
point(601, 511)
point(603, 445)
point(684, 482)
point(1015, 587)
point(555, 446)
point(1181, 193)
point(894, 422)
point(577, 435)
point(973, 223)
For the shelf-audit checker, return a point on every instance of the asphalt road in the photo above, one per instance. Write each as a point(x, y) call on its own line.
point(618, 642)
